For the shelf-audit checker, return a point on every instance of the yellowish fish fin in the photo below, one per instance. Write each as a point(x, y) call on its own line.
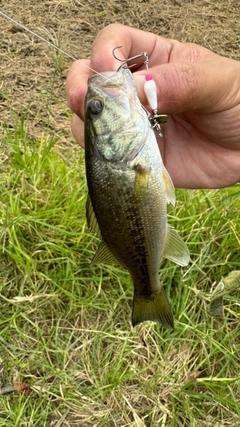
point(175, 249)
point(141, 180)
point(155, 308)
point(169, 187)
point(103, 255)
point(91, 219)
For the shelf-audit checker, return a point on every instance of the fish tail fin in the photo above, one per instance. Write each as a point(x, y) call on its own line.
point(156, 308)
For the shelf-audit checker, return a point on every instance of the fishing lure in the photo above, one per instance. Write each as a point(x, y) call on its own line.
point(150, 91)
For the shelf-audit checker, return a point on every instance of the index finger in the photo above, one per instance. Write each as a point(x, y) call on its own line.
point(76, 85)
point(133, 42)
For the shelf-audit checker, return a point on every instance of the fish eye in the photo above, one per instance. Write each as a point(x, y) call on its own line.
point(95, 107)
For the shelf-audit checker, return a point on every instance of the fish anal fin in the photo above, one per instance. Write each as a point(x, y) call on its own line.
point(169, 187)
point(155, 308)
point(103, 255)
point(175, 249)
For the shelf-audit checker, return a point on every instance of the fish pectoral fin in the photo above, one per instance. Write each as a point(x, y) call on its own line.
point(169, 187)
point(141, 180)
point(91, 218)
point(155, 308)
point(175, 249)
point(103, 255)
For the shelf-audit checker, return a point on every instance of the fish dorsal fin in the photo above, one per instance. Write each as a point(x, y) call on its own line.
point(169, 187)
point(103, 255)
point(175, 249)
point(91, 218)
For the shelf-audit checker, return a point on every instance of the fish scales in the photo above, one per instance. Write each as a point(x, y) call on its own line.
point(123, 221)
point(129, 189)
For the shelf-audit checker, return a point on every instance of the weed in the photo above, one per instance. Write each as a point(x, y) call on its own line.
point(65, 327)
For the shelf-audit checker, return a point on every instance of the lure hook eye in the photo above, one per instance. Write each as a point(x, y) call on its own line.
point(125, 61)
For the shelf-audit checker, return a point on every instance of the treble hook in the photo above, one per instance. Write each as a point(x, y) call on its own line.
point(125, 61)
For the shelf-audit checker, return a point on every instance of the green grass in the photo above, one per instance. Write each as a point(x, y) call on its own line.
point(65, 328)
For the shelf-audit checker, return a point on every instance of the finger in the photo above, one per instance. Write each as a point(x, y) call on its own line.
point(200, 86)
point(76, 85)
point(133, 42)
point(77, 127)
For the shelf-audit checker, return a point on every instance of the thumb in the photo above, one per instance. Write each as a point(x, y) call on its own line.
point(205, 86)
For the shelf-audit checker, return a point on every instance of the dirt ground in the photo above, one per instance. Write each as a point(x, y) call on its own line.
point(32, 83)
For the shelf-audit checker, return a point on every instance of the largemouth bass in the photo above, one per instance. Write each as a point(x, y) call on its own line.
point(129, 189)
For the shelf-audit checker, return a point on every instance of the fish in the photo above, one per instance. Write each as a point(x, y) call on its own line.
point(128, 192)
point(226, 286)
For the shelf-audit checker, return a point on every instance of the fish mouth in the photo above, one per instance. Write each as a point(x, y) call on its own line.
point(111, 90)
point(109, 83)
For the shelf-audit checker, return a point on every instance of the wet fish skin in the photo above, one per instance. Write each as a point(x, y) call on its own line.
point(129, 189)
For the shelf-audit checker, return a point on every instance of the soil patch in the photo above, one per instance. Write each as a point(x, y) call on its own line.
point(33, 75)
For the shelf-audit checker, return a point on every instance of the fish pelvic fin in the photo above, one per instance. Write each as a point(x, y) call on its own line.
point(155, 308)
point(91, 218)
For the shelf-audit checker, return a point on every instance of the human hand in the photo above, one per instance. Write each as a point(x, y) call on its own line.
point(197, 88)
